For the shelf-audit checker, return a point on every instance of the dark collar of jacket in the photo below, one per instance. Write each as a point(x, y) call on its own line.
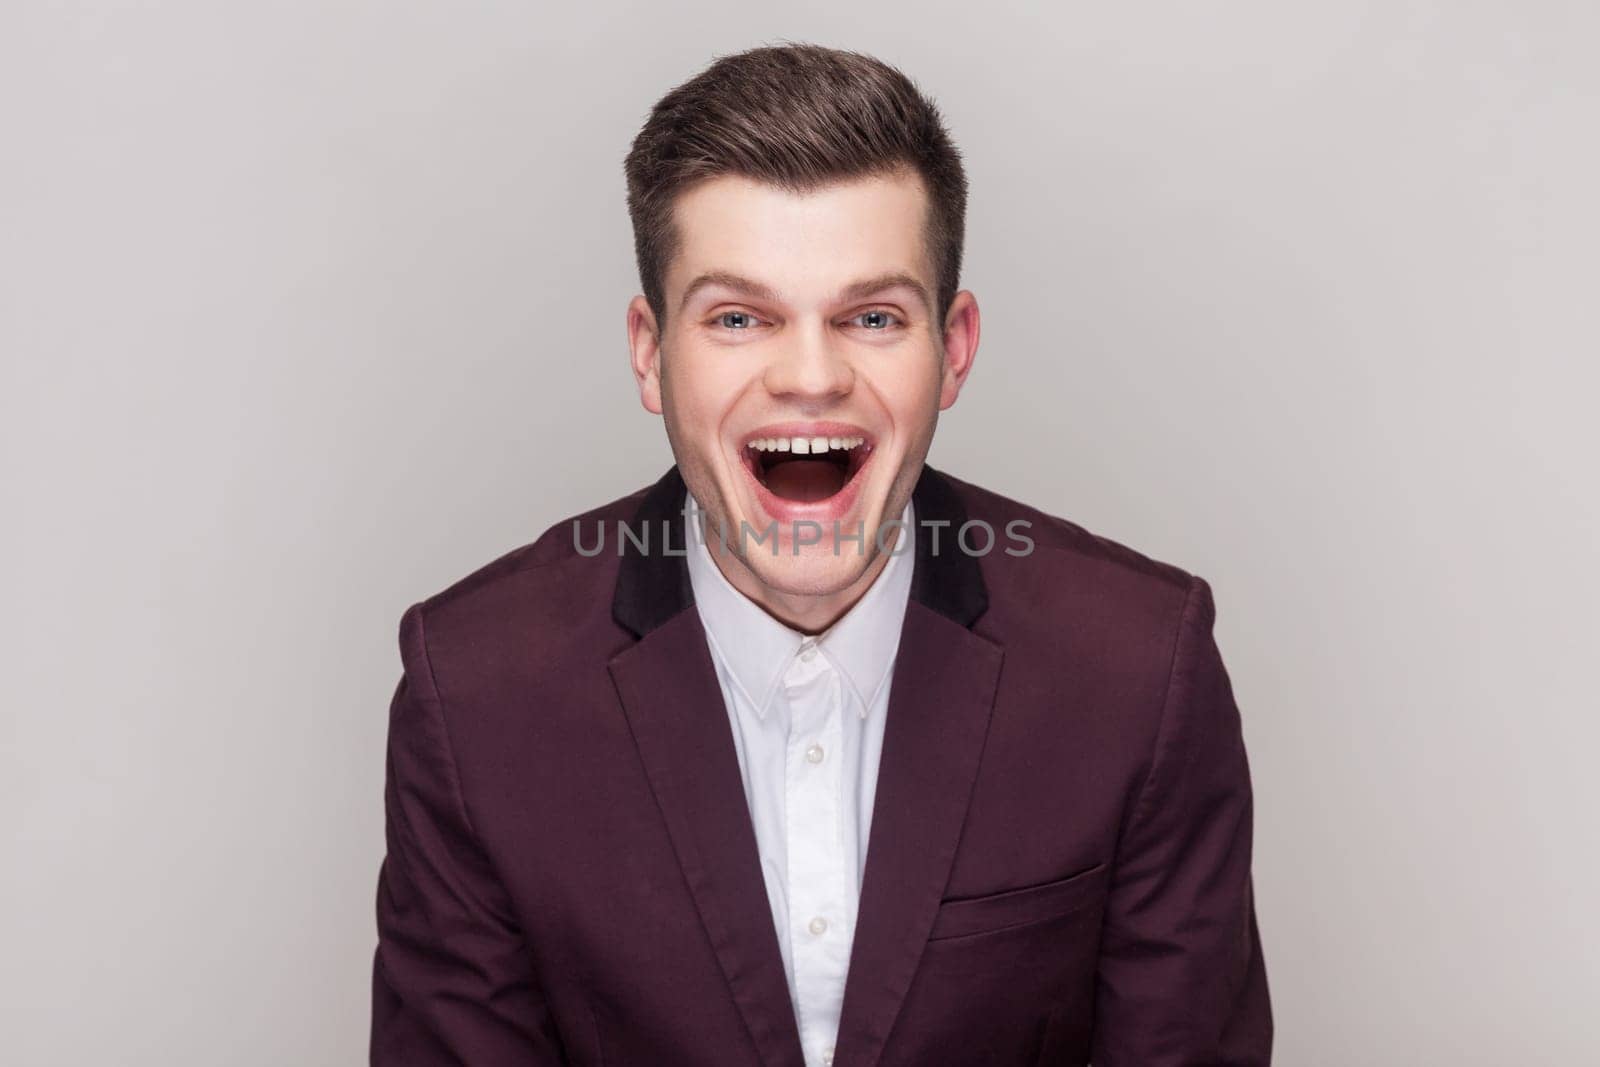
point(652, 587)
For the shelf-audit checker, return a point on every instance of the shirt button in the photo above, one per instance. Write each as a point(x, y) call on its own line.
point(818, 926)
point(827, 1056)
point(814, 754)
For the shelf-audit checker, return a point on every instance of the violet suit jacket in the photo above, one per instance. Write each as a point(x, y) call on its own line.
point(1058, 868)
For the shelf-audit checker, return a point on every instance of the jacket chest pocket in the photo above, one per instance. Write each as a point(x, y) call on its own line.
point(999, 967)
point(994, 912)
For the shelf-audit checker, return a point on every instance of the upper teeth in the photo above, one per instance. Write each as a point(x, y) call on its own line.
point(804, 445)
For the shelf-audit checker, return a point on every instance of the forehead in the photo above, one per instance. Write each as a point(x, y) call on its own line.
point(801, 244)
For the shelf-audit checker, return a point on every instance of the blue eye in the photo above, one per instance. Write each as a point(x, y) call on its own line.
point(735, 320)
point(878, 320)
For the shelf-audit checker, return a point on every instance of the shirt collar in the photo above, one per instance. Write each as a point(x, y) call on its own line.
point(757, 649)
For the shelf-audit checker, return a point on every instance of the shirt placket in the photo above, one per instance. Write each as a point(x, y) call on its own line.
point(819, 921)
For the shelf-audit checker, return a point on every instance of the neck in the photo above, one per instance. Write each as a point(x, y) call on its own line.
point(806, 613)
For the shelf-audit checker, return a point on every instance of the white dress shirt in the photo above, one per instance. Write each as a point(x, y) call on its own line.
point(807, 715)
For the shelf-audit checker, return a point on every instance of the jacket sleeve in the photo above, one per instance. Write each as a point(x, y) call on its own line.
point(1181, 976)
point(452, 979)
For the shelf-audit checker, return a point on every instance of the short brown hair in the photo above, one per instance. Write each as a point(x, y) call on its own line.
point(797, 116)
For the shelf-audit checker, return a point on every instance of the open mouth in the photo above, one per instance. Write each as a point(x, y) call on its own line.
point(806, 469)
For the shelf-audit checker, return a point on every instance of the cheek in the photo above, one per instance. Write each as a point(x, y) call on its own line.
point(909, 391)
point(700, 392)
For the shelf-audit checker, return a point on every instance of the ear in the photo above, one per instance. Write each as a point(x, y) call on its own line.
point(644, 348)
point(960, 346)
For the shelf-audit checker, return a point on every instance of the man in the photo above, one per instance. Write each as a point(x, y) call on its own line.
point(783, 760)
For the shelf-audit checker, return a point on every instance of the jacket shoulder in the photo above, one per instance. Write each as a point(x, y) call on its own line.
point(1067, 595)
point(537, 605)
point(559, 544)
point(1091, 627)
point(1064, 543)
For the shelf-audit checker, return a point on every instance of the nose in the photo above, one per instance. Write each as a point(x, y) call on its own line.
point(808, 367)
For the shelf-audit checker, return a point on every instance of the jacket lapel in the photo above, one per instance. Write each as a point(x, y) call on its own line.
point(670, 694)
point(940, 700)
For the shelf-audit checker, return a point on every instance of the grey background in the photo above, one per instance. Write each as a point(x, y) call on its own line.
point(309, 309)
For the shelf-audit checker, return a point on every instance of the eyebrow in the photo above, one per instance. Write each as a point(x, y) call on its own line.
point(854, 291)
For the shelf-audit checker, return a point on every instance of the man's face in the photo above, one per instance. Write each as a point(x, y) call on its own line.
point(801, 371)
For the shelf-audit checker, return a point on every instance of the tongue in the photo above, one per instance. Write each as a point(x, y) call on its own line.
point(805, 480)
